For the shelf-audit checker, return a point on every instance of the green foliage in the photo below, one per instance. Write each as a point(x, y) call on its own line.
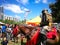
point(1, 20)
point(55, 8)
point(13, 22)
point(10, 21)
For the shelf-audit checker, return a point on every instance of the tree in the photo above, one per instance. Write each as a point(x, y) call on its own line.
point(55, 8)
point(12, 22)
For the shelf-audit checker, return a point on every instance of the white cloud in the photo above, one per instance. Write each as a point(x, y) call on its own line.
point(14, 8)
point(37, 1)
point(18, 17)
point(44, 1)
point(25, 9)
point(23, 1)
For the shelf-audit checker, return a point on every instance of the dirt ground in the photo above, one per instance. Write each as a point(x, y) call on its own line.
point(12, 43)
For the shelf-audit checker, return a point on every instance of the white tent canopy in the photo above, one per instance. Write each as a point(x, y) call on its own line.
point(36, 20)
point(2, 23)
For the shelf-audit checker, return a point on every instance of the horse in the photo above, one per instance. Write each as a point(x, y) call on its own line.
point(28, 30)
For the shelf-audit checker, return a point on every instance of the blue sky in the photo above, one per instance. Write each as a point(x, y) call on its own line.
point(25, 8)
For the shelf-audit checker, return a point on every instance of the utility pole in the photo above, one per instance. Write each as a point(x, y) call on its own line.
point(26, 14)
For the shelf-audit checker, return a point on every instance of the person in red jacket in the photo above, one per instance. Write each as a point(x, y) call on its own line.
point(15, 33)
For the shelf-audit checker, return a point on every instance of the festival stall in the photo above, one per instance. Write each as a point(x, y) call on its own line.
point(34, 22)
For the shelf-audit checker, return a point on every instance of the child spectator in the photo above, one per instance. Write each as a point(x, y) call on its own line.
point(4, 42)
